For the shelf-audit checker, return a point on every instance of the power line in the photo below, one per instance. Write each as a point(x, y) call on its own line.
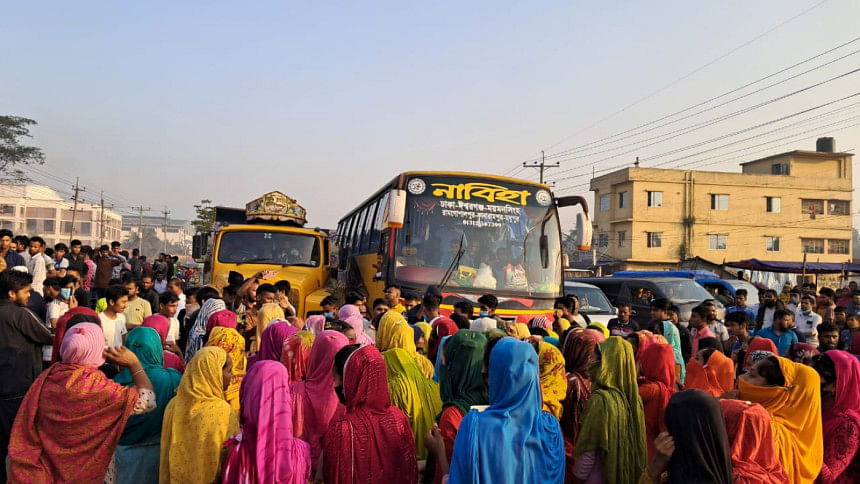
point(541, 167)
point(695, 71)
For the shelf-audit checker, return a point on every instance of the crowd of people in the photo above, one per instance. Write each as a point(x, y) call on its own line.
point(201, 385)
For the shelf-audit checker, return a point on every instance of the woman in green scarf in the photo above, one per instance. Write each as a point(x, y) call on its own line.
point(137, 455)
point(414, 393)
point(611, 441)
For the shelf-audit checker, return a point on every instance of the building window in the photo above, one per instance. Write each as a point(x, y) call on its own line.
point(837, 246)
point(780, 169)
point(655, 199)
point(622, 238)
point(655, 239)
point(7, 224)
point(67, 227)
point(771, 244)
point(604, 203)
point(718, 241)
point(86, 227)
point(603, 240)
point(839, 207)
point(622, 199)
point(809, 206)
point(48, 226)
point(719, 202)
point(7, 209)
point(773, 204)
point(31, 226)
point(812, 246)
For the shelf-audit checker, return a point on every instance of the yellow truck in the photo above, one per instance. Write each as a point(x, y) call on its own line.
point(269, 234)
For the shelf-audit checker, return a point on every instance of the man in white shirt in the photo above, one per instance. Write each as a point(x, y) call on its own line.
point(806, 321)
point(112, 319)
point(175, 287)
point(168, 304)
point(36, 266)
point(160, 285)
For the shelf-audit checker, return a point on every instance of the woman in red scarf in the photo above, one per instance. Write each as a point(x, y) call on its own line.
point(441, 327)
point(840, 394)
point(656, 386)
point(757, 345)
point(711, 371)
point(578, 349)
point(373, 442)
point(73, 416)
point(754, 457)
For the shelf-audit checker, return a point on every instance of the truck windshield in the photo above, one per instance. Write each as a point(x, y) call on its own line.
point(261, 247)
point(500, 225)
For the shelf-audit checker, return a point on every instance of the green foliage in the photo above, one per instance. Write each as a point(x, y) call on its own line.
point(205, 216)
point(152, 244)
point(14, 155)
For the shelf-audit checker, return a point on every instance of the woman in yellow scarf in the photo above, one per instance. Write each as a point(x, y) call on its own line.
point(414, 393)
point(198, 421)
point(394, 332)
point(553, 379)
point(268, 312)
point(789, 392)
point(518, 330)
point(426, 329)
point(234, 344)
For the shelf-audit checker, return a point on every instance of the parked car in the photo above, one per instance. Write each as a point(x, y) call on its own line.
point(722, 290)
point(592, 301)
point(640, 291)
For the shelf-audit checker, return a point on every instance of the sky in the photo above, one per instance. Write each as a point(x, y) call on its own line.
point(167, 103)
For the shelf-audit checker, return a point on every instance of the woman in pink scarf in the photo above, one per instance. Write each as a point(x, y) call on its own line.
point(352, 315)
point(315, 403)
point(840, 392)
point(272, 342)
point(266, 450)
point(316, 324)
point(224, 318)
point(161, 325)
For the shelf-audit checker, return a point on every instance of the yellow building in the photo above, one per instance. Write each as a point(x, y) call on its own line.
point(777, 209)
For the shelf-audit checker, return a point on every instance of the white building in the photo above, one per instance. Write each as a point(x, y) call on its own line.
point(39, 210)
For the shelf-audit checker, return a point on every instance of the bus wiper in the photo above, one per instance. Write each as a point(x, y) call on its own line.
point(254, 260)
point(454, 263)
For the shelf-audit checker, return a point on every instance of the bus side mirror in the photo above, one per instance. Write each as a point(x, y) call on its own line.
point(583, 231)
point(396, 208)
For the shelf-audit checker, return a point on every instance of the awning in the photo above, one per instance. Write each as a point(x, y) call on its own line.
point(794, 267)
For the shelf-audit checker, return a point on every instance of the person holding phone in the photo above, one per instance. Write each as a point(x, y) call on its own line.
point(61, 291)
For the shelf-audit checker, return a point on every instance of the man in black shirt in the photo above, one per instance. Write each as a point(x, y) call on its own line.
point(76, 261)
point(22, 336)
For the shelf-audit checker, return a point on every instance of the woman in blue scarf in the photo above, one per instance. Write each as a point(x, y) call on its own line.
point(670, 332)
point(512, 441)
point(137, 455)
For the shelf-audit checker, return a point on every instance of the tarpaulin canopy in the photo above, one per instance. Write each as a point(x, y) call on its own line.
point(794, 267)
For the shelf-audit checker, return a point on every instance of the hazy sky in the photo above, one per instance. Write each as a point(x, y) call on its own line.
point(167, 103)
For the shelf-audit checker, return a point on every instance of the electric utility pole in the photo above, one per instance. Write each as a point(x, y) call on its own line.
point(140, 210)
point(78, 189)
point(542, 166)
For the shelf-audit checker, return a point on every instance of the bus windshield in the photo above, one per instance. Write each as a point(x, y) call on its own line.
point(261, 247)
point(509, 233)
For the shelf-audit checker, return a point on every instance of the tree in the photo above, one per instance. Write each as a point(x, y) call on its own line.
point(205, 216)
point(152, 244)
point(14, 155)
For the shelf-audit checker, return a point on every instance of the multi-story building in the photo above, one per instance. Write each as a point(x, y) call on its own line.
point(177, 232)
point(39, 210)
point(778, 208)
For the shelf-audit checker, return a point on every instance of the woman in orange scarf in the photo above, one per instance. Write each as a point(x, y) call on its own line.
point(754, 459)
point(656, 386)
point(711, 371)
point(789, 392)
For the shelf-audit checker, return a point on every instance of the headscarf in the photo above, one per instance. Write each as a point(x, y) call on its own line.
point(398, 334)
point(716, 377)
point(315, 403)
point(81, 346)
point(47, 443)
point(437, 366)
point(269, 312)
point(233, 343)
point(758, 344)
point(613, 422)
point(373, 442)
point(296, 353)
point(553, 379)
point(597, 326)
point(754, 458)
point(352, 316)
point(578, 348)
point(694, 419)
point(441, 327)
point(224, 318)
point(266, 450)
point(844, 413)
point(197, 422)
point(145, 343)
point(414, 393)
point(656, 386)
point(563, 325)
point(801, 353)
point(272, 342)
point(483, 324)
point(521, 331)
point(424, 329)
point(512, 440)
point(161, 325)
point(315, 323)
point(461, 383)
point(543, 323)
point(198, 332)
point(796, 416)
point(60, 329)
point(670, 332)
